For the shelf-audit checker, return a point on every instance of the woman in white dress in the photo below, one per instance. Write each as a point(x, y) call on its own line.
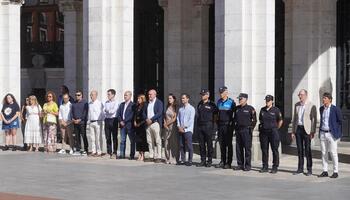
point(33, 133)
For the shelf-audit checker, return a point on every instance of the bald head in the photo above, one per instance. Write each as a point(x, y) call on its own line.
point(93, 95)
point(127, 95)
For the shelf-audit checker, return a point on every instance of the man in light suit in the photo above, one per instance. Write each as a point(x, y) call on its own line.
point(304, 128)
point(154, 122)
point(330, 133)
point(125, 117)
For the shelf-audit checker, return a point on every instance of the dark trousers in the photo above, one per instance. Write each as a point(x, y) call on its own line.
point(244, 147)
point(303, 141)
point(269, 138)
point(185, 140)
point(131, 133)
point(111, 132)
point(80, 131)
point(225, 136)
point(205, 141)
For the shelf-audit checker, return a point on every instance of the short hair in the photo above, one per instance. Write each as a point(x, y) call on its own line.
point(305, 91)
point(128, 92)
point(79, 91)
point(186, 95)
point(327, 95)
point(111, 91)
point(65, 89)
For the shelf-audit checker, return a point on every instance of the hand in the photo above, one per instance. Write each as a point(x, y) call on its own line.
point(122, 124)
point(312, 135)
point(166, 127)
point(293, 136)
point(181, 130)
point(148, 122)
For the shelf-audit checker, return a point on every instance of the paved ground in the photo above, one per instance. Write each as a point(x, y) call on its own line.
point(65, 177)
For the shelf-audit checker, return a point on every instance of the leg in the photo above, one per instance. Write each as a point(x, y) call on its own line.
point(300, 146)
point(77, 132)
point(115, 135)
point(221, 137)
point(69, 132)
point(264, 144)
point(63, 134)
point(93, 136)
point(158, 139)
point(275, 142)
point(85, 140)
point(202, 139)
point(228, 141)
point(239, 149)
point(108, 135)
point(333, 149)
point(166, 145)
point(98, 137)
point(14, 138)
point(150, 141)
point(209, 142)
point(324, 150)
point(7, 137)
point(248, 148)
point(131, 134)
point(53, 134)
point(182, 147)
point(122, 142)
point(189, 145)
point(308, 152)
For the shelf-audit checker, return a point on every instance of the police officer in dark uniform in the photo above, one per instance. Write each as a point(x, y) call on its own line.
point(225, 132)
point(206, 114)
point(244, 123)
point(270, 119)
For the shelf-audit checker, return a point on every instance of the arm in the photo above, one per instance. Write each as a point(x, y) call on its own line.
point(294, 121)
point(158, 111)
point(120, 113)
point(313, 117)
point(189, 122)
point(253, 119)
point(339, 116)
point(130, 115)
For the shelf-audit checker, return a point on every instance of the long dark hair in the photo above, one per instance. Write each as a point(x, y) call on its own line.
point(4, 101)
point(174, 105)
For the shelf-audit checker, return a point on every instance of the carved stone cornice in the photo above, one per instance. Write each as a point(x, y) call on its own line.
point(6, 2)
point(70, 5)
point(202, 2)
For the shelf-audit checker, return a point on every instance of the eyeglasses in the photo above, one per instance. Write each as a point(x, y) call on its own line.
point(49, 96)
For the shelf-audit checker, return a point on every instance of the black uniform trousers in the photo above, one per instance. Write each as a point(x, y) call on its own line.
point(80, 131)
point(244, 147)
point(303, 141)
point(225, 136)
point(269, 137)
point(111, 132)
point(205, 131)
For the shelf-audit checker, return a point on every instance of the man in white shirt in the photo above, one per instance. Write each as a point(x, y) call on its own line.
point(111, 123)
point(66, 126)
point(95, 119)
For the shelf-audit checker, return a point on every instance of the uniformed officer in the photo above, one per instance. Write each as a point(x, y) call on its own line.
point(244, 123)
point(270, 119)
point(225, 132)
point(206, 114)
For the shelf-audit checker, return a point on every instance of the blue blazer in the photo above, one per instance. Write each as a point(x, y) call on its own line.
point(129, 114)
point(158, 110)
point(335, 121)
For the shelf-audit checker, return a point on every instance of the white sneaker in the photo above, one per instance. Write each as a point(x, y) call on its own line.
point(62, 151)
point(76, 153)
point(71, 152)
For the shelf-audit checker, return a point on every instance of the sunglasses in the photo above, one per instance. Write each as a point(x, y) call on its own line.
point(49, 96)
point(78, 95)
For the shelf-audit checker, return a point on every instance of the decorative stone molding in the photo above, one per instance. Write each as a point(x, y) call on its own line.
point(202, 2)
point(163, 3)
point(70, 5)
point(6, 2)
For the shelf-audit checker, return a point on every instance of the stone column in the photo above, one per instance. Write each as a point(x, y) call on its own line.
point(10, 51)
point(108, 46)
point(73, 41)
point(245, 51)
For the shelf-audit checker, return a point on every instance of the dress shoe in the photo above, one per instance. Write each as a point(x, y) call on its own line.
point(227, 166)
point(131, 158)
point(299, 171)
point(264, 170)
point(201, 164)
point(309, 173)
point(157, 160)
point(247, 169)
point(188, 164)
point(208, 164)
point(180, 163)
point(236, 168)
point(220, 165)
point(334, 175)
point(273, 171)
point(323, 174)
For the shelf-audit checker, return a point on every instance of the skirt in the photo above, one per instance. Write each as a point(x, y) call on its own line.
point(14, 124)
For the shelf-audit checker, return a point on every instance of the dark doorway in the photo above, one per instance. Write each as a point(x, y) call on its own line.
point(343, 63)
point(279, 55)
point(148, 47)
point(211, 55)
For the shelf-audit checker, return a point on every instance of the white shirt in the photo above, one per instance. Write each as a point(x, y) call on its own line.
point(95, 111)
point(125, 106)
point(65, 112)
point(111, 108)
point(185, 118)
point(150, 108)
point(301, 114)
point(325, 118)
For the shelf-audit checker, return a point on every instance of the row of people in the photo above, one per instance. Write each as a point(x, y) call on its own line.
point(142, 123)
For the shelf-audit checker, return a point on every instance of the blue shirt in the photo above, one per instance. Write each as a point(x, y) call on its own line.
point(185, 118)
point(226, 108)
point(80, 111)
point(325, 118)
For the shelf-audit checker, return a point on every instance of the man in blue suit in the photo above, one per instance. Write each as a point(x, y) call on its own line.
point(330, 133)
point(125, 117)
point(154, 122)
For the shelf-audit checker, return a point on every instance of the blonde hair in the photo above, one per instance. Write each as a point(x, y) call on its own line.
point(35, 100)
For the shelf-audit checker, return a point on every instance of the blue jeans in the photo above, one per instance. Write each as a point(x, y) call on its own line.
point(130, 132)
point(186, 144)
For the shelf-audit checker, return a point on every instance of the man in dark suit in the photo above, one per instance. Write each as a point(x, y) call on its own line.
point(125, 118)
point(154, 122)
point(330, 133)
